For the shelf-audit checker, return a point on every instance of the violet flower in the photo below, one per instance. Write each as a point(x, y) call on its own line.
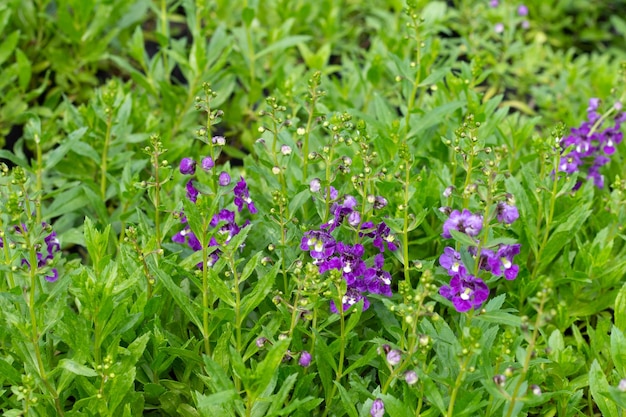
point(187, 166)
point(501, 262)
point(464, 222)
point(192, 192)
point(378, 408)
point(451, 261)
point(506, 213)
point(465, 292)
point(305, 359)
point(320, 244)
point(242, 195)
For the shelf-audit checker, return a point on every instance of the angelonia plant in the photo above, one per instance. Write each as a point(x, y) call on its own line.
point(312, 209)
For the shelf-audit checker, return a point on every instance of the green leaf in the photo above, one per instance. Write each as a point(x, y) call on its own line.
point(618, 350)
point(219, 398)
point(9, 44)
point(346, 400)
point(599, 387)
point(76, 368)
point(263, 287)
point(189, 307)
point(250, 266)
point(269, 366)
point(24, 69)
point(283, 44)
point(462, 238)
point(620, 309)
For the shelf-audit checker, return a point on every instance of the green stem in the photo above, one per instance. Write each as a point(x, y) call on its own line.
point(39, 188)
point(529, 354)
point(342, 352)
point(105, 153)
point(205, 292)
point(405, 229)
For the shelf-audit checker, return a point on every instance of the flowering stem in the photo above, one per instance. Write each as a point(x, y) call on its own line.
point(548, 225)
point(205, 291)
point(529, 353)
point(405, 226)
point(34, 326)
point(457, 385)
point(313, 84)
point(105, 154)
point(39, 186)
point(342, 352)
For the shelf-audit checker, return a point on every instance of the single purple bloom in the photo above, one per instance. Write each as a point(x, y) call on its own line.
point(493, 3)
point(207, 163)
point(242, 195)
point(305, 359)
point(320, 244)
point(381, 235)
point(380, 202)
point(410, 377)
point(499, 28)
point(352, 265)
point(394, 357)
point(501, 263)
point(464, 222)
point(340, 212)
point(315, 185)
point(53, 276)
point(352, 297)
point(224, 179)
point(378, 408)
point(525, 24)
point(522, 10)
point(506, 213)
point(465, 292)
point(354, 218)
point(377, 280)
point(451, 261)
point(187, 166)
point(192, 192)
point(218, 140)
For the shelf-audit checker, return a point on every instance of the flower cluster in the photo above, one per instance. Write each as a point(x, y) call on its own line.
point(223, 223)
point(467, 291)
point(591, 144)
point(331, 254)
point(45, 252)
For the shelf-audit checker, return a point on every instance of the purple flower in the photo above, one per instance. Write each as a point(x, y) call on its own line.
point(315, 185)
point(187, 166)
point(410, 377)
point(242, 195)
point(493, 3)
point(381, 234)
point(522, 10)
point(224, 179)
point(465, 292)
point(340, 212)
point(451, 261)
point(499, 28)
point(352, 297)
point(464, 222)
point(207, 163)
point(320, 244)
point(506, 213)
point(192, 192)
point(501, 263)
point(378, 408)
point(305, 359)
point(376, 279)
point(218, 140)
point(54, 275)
point(394, 357)
point(380, 202)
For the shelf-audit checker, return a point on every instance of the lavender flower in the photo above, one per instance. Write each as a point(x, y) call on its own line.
point(192, 192)
point(499, 28)
point(394, 357)
point(218, 140)
point(224, 179)
point(378, 408)
point(591, 145)
point(242, 195)
point(381, 234)
point(376, 279)
point(351, 297)
point(506, 213)
point(501, 263)
point(315, 185)
point(305, 359)
point(187, 166)
point(465, 292)
point(320, 244)
point(464, 222)
point(451, 261)
point(410, 377)
point(207, 163)
point(522, 10)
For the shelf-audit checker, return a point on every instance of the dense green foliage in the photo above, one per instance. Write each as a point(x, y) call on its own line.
point(414, 109)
